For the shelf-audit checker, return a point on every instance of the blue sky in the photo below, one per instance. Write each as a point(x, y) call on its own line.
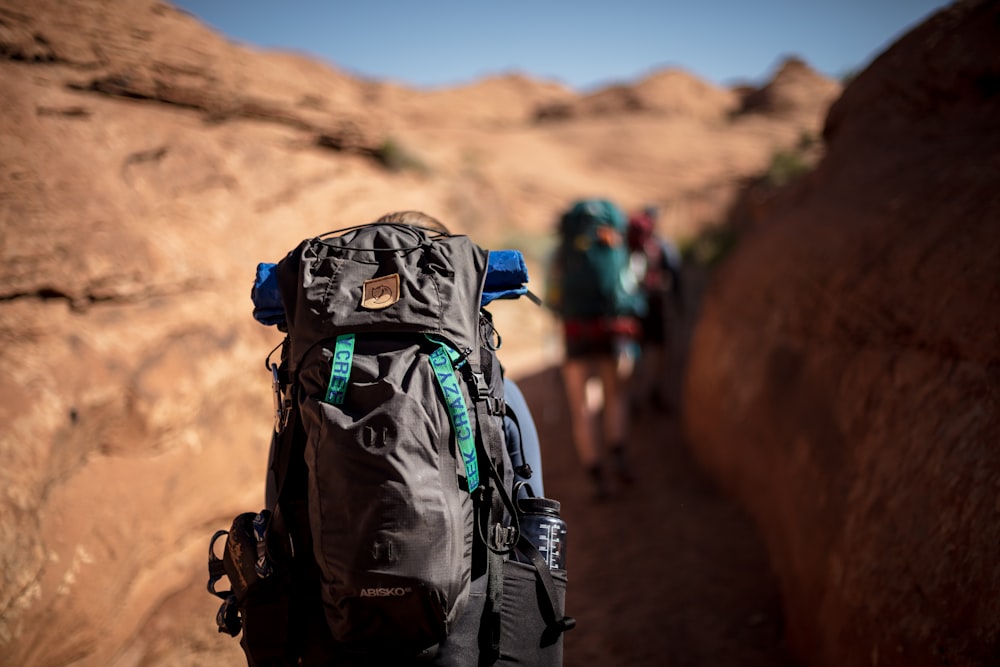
point(583, 44)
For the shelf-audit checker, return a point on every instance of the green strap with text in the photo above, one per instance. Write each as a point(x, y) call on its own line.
point(340, 369)
point(444, 371)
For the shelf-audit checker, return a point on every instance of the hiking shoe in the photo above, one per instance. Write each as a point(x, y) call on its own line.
point(623, 470)
point(660, 402)
point(598, 483)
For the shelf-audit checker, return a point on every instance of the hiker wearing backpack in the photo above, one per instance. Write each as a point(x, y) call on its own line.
point(395, 484)
point(656, 264)
point(592, 290)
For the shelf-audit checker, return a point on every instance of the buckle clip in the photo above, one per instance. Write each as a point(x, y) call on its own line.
point(504, 537)
point(228, 617)
point(482, 390)
point(282, 402)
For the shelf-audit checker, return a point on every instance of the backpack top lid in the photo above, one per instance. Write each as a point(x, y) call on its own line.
point(585, 215)
point(591, 277)
point(506, 278)
point(384, 277)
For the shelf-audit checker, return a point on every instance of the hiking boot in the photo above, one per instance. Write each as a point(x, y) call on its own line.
point(622, 468)
point(660, 402)
point(598, 482)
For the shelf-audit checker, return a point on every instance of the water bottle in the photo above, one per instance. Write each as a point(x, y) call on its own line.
point(542, 525)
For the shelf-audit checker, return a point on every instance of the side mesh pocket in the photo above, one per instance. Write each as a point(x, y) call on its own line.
point(527, 636)
point(258, 603)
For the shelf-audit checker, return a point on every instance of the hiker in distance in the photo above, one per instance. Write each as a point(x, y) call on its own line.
point(656, 264)
point(592, 290)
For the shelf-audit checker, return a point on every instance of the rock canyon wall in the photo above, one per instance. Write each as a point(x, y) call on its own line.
point(844, 380)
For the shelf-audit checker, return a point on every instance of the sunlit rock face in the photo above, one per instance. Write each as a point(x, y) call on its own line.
point(844, 381)
point(794, 89)
point(146, 166)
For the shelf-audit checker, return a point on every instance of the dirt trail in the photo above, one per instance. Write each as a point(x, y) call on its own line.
point(668, 572)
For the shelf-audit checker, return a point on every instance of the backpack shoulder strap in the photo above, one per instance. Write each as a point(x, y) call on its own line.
point(491, 498)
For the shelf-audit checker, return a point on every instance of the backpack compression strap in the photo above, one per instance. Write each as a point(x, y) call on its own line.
point(498, 539)
point(442, 359)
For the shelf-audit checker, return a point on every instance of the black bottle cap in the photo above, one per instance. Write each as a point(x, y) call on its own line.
point(539, 506)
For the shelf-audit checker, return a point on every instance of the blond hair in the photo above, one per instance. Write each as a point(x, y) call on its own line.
point(418, 218)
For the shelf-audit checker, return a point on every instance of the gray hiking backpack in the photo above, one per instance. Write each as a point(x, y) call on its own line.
point(390, 519)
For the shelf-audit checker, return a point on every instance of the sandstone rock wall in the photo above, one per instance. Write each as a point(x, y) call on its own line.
point(844, 381)
point(146, 166)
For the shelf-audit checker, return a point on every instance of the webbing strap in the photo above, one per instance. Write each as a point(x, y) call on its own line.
point(495, 500)
point(340, 369)
point(548, 599)
point(497, 538)
point(444, 371)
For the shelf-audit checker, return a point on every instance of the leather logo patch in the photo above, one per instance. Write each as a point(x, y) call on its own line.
point(380, 292)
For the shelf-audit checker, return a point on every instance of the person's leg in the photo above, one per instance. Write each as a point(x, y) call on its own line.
point(615, 375)
point(661, 388)
point(642, 378)
point(654, 366)
point(614, 382)
point(575, 374)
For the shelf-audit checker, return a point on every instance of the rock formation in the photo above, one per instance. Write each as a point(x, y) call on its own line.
point(669, 92)
point(795, 87)
point(844, 380)
point(147, 166)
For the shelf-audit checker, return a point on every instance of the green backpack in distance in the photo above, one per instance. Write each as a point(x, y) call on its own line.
point(591, 279)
